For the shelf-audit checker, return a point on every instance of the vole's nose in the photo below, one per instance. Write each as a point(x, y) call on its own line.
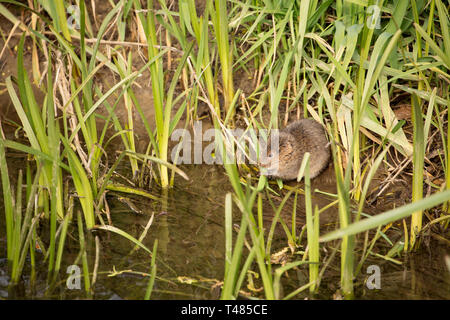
point(263, 163)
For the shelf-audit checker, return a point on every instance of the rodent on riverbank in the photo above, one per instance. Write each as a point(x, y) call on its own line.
point(299, 137)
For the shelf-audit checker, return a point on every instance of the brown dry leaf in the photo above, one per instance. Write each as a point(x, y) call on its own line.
point(187, 280)
point(403, 111)
point(280, 257)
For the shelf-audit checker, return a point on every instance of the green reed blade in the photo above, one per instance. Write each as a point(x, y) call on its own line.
point(151, 281)
point(388, 217)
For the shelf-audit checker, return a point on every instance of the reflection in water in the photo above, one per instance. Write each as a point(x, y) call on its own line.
point(189, 225)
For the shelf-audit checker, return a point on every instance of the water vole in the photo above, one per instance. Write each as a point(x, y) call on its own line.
point(299, 137)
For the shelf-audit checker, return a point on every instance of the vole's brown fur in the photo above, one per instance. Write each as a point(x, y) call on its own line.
point(299, 137)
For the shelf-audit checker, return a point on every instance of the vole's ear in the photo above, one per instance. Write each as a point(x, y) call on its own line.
point(286, 144)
